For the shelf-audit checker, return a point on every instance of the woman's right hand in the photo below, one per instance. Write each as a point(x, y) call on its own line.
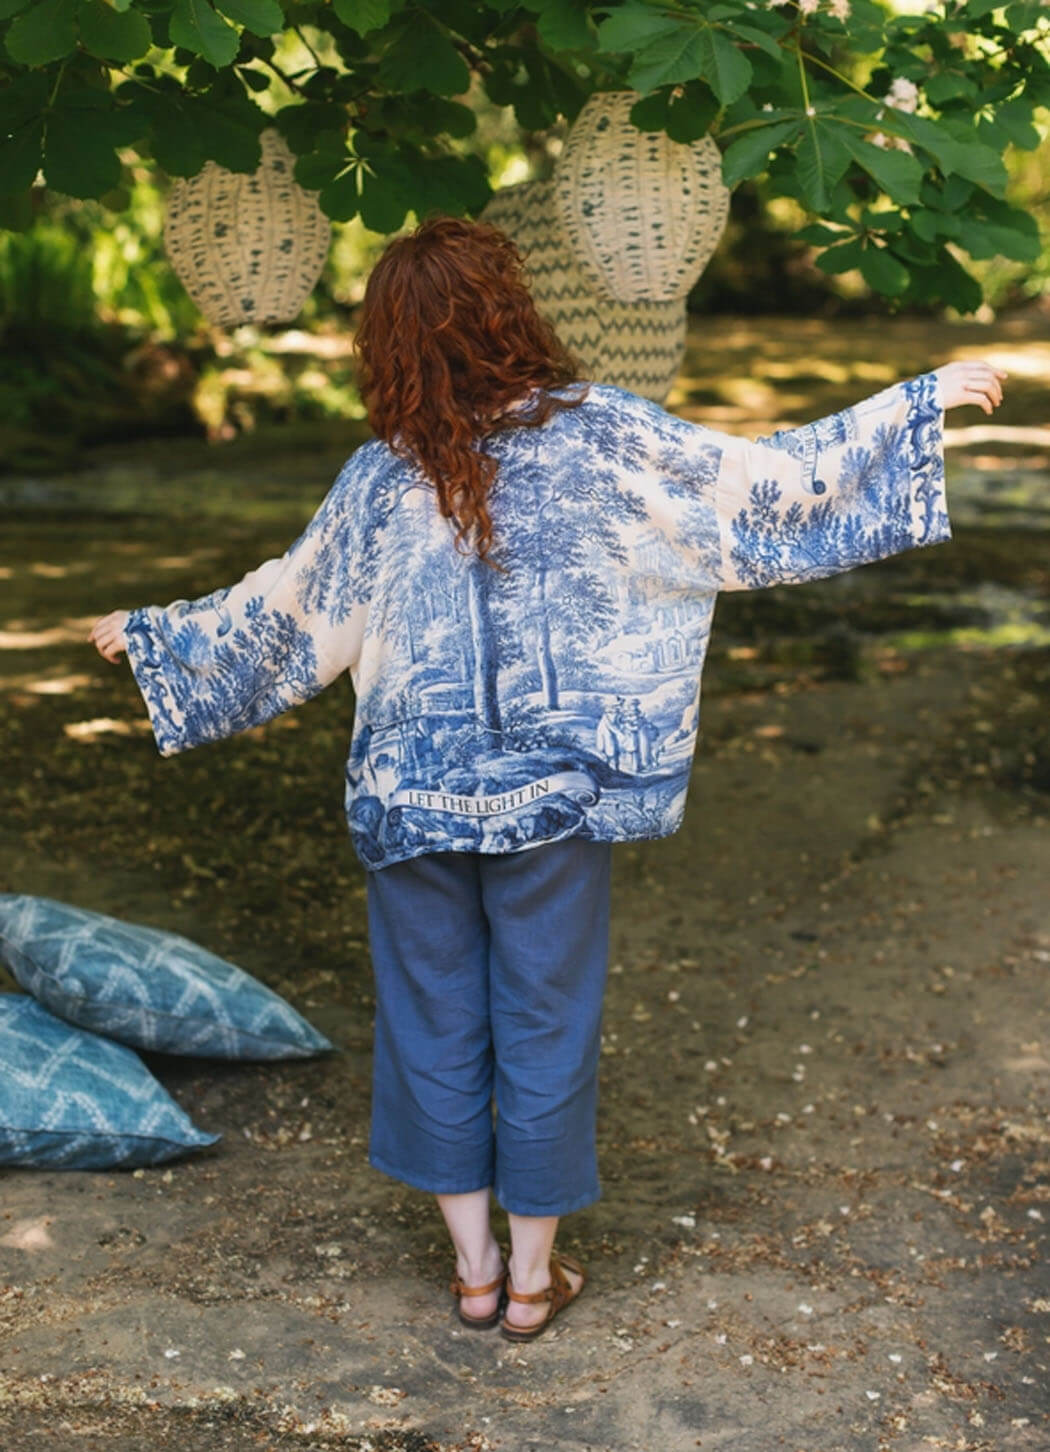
point(971, 382)
point(107, 635)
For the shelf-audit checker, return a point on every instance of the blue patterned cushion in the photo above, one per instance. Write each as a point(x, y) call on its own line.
point(73, 1101)
point(147, 988)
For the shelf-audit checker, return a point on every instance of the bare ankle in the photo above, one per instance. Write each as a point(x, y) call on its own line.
point(482, 1269)
point(529, 1278)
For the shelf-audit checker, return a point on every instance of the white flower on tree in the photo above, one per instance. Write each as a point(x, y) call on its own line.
point(889, 143)
point(903, 94)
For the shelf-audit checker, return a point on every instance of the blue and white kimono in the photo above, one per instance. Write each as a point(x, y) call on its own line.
point(558, 695)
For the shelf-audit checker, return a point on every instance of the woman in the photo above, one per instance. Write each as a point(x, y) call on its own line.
point(514, 556)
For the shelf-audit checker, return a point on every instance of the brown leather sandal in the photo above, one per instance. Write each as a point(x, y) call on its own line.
point(481, 1323)
point(558, 1295)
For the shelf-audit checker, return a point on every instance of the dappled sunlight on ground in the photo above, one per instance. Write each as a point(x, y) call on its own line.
point(183, 562)
point(17, 637)
point(814, 367)
point(104, 726)
point(1031, 361)
point(823, 1127)
point(63, 685)
point(972, 434)
point(56, 572)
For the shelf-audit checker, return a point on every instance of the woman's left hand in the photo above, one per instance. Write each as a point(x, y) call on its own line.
point(107, 635)
point(974, 382)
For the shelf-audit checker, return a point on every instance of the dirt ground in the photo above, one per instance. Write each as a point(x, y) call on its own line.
point(825, 1120)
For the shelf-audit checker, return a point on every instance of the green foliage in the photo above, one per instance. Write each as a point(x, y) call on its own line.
point(906, 165)
point(111, 34)
point(45, 282)
point(45, 32)
point(889, 127)
point(64, 373)
point(197, 26)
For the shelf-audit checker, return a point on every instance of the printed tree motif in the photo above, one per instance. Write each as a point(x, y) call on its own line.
point(558, 527)
point(350, 525)
point(688, 459)
point(424, 624)
point(257, 671)
point(835, 508)
point(486, 658)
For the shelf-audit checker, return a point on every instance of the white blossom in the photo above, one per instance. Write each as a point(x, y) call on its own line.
point(889, 143)
point(839, 9)
point(903, 94)
point(808, 7)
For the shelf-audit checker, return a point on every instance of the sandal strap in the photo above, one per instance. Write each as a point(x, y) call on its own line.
point(559, 1292)
point(547, 1294)
point(459, 1289)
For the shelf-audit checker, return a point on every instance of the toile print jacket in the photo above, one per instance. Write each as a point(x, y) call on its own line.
point(558, 696)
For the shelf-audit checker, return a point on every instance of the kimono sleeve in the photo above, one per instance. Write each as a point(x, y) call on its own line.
point(849, 489)
point(237, 657)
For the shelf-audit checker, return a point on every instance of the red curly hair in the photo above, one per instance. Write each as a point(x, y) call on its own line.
point(448, 337)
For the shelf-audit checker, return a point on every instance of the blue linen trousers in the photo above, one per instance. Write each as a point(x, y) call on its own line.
point(489, 974)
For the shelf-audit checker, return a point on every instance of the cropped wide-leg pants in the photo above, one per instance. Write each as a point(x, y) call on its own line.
point(489, 976)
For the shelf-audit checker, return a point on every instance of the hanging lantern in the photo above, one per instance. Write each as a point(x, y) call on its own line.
point(641, 213)
point(247, 247)
point(636, 345)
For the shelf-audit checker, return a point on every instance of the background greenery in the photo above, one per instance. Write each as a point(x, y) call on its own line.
point(103, 102)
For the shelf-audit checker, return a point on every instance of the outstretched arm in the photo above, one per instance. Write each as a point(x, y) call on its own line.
point(240, 655)
point(855, 487)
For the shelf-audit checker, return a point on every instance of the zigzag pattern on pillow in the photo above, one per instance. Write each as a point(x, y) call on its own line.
point(148, 988)
point(72, 1100)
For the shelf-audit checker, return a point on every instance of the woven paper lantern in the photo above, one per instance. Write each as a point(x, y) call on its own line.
point(642, 213)
point(634, 345)
point(247, 247)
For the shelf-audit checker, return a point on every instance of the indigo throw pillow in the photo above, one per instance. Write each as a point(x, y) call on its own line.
point(145, 987)
point(70, 1100)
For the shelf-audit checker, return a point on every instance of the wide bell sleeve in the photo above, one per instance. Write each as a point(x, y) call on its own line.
point(237, 657)
point(855, 487)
